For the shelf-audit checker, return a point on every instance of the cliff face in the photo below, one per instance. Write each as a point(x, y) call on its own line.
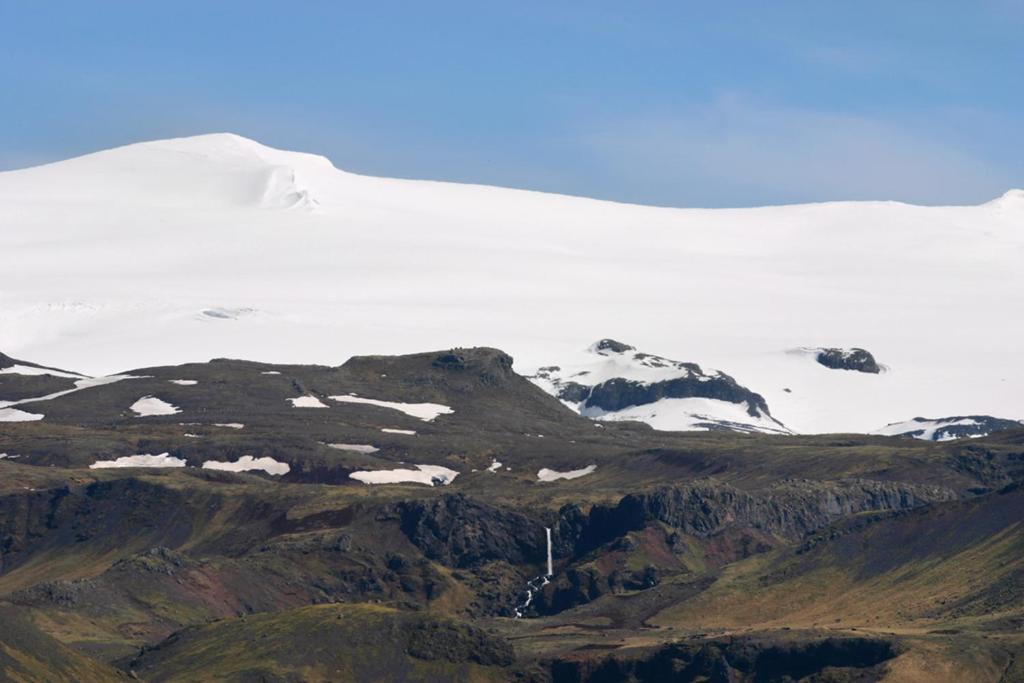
point(463, 533)
point(108, 513)
point(789, 509)
point(460, 532)
point(25, 518)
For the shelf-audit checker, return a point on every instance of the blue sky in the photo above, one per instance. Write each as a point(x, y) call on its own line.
point(673, 103)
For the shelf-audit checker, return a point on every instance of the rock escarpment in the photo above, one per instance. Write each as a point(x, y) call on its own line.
point(789, 509)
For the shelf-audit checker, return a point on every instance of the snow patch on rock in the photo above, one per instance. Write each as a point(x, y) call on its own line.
point(422, 411)
point(248, 463)
point(307, 402)
point(142, 460)
point(692, 415)
point(546, 474)
point(354, 447)
point(15, 415)
point(81, 384)
point(148, 406)
point(431, 475)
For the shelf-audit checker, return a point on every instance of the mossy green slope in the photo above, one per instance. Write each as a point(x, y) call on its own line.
point(329, 643)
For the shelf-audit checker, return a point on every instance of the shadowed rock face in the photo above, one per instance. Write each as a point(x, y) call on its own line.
point(855, 359)
point(103, 512)
point(617, 394)
point(460, 532)
point(790, 509)
point(463, 533)
point(738, 660)
point(706, 510)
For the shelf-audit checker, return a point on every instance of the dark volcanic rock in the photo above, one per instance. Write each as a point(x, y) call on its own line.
point(738, 660)
point(632, 378)
point(103, 512)
point(573, 392)
point(790, 509)
point(613, 346)
point(709, 510)
point(480, 364)
point(618, 393)
point(578, 586)
point(855, 359)
point(460, 532)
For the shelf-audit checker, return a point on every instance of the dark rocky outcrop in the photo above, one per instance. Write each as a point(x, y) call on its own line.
point(957, 427)
point(573, 392)
point(737, 660)
point(460, 532)
point(789, 510)
point(464, 533)
point(578, 586)
point(618, 393)
point(612, 346)
point(26, 518)
point(651, 379)
point(457, 368)
point(855, 359)
point(108, 514)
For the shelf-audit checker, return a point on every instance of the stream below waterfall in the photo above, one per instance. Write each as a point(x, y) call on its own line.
point(534, 585)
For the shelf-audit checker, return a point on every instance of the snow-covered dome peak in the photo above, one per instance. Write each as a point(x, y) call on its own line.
point(1011, 199)
point(227, 148)
point(215, 170)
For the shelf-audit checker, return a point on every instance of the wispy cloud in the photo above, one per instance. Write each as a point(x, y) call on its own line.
point(733, 148)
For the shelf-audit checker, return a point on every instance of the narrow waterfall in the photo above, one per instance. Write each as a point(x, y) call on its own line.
point(538, 582)
point(551, 570)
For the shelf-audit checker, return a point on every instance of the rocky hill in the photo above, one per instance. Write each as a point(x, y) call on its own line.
point(438, 516)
